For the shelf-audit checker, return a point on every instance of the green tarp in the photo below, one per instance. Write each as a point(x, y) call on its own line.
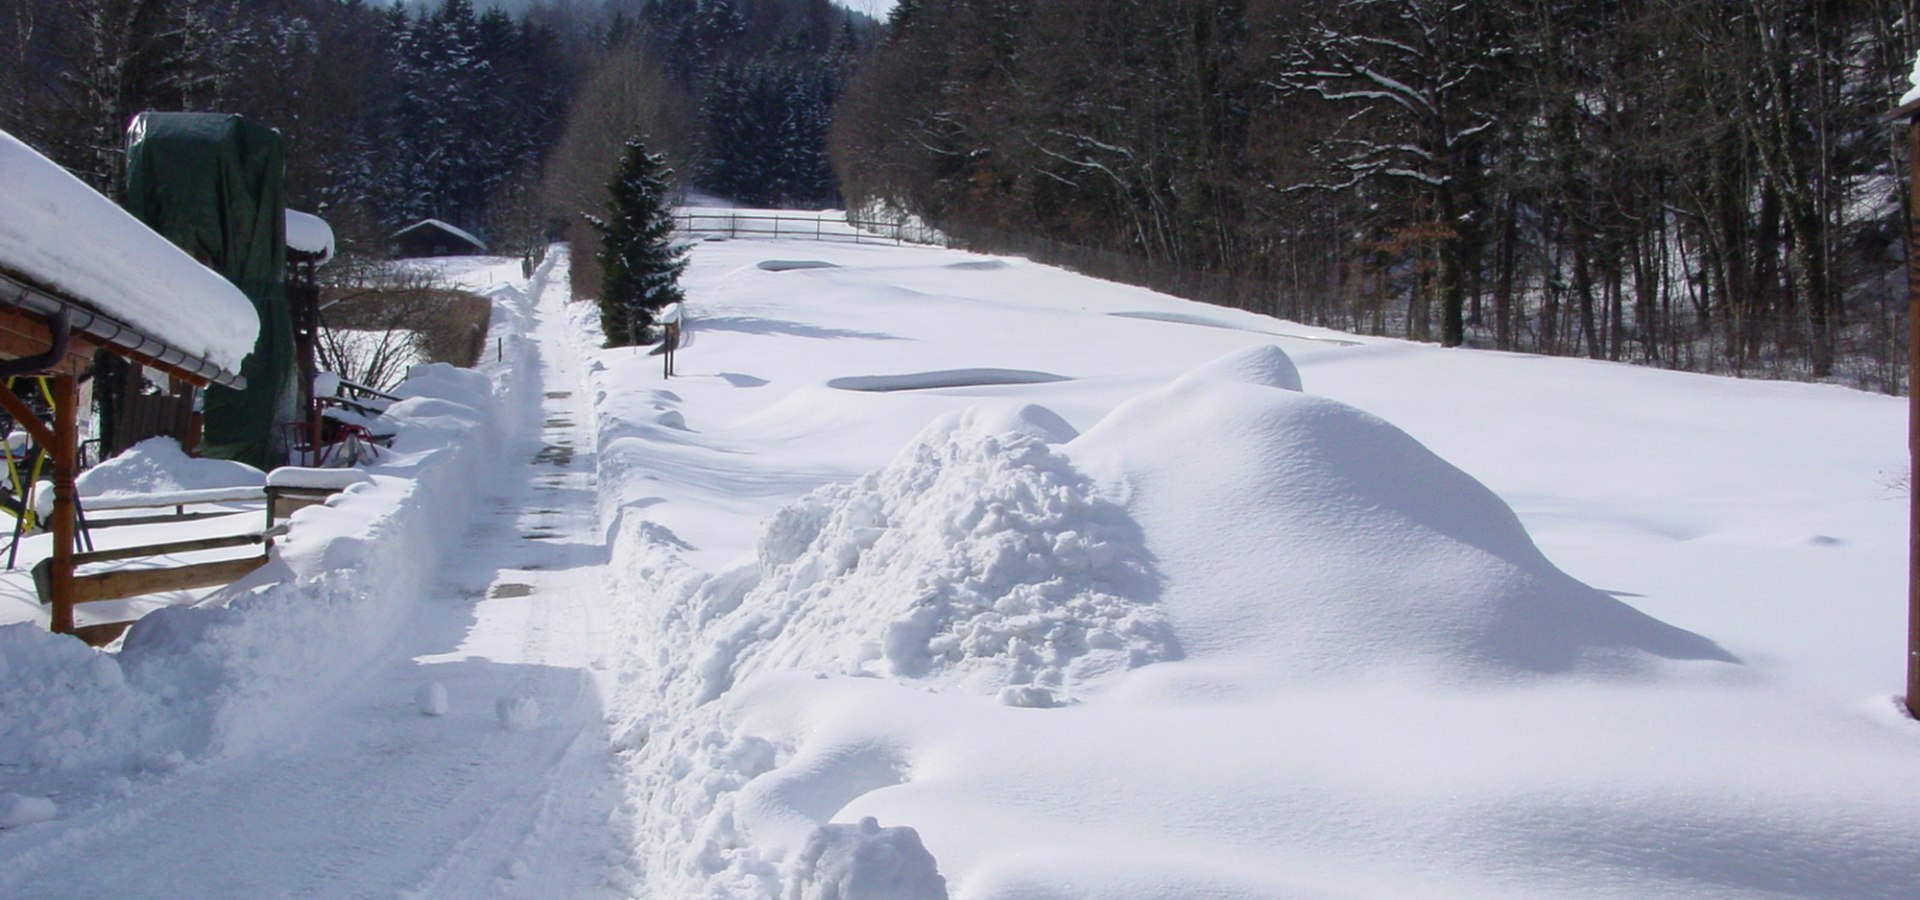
point(211, 183)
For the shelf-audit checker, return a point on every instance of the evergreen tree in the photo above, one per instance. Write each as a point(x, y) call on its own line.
point(640, 262)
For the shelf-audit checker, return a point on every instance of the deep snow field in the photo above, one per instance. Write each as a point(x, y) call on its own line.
point(934, 574)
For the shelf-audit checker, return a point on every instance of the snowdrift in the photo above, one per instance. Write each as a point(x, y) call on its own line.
point(1227, 515)
point(1325, 542)
point(1271, 538)
point(158, 466)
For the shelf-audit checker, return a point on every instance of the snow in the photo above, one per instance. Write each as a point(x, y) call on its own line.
point(1244, 610)
point(16, 810)
point(865, 862)
point(1913, 80)
point(517, 713)
point(158, 466)
point(309, 234)
point(58, 232)
point(431, 699)
point(316, 479)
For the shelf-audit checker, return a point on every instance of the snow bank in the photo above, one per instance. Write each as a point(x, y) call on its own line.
point(197, 681)
point(1324, 541)
point(58, 232)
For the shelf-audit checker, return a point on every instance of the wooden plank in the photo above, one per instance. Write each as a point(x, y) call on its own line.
point(283, 501)
point(102, 634)
point(95, 524)
point(24, 417)
point(138, 582)
point(170, 548)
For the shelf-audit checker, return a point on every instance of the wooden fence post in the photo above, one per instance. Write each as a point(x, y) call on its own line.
point(1913, 417)
point(65, 428)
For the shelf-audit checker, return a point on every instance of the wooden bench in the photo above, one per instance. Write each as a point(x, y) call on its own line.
point(287, 490)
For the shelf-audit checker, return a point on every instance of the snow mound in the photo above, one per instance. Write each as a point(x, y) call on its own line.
point(946, 378)
point(158, 466)
point(1005, 419)
point(1267, 366)
point(984, 265)
point(1322, 540)
point(978, 557)
point(794, 265)
point(865, 862)
point(18, 809)
point(63, 701)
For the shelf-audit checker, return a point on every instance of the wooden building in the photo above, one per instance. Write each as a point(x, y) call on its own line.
point(432, 237)
point(79, 275)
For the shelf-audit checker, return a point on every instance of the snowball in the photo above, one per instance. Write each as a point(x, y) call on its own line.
point(17, 810)
point(865, 862)
point(517, 713)
point(431, 699)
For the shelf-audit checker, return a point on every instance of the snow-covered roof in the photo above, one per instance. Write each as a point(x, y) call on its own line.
point(450, 229)
point(309, 234)
point(62, 238)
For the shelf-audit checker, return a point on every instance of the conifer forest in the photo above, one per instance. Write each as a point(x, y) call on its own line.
point(1693, 184)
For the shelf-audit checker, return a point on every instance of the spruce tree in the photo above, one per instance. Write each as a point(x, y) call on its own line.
point(640, 262)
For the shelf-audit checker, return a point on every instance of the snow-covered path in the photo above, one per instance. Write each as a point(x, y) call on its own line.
point(367, 796)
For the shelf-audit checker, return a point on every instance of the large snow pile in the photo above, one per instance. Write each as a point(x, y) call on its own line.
point(1312, 546)
point(58, 232)
point(978, 556)
point(1327, 542)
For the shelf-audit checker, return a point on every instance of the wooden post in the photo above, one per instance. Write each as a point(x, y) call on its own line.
point(1913, 417)
point(65, 429)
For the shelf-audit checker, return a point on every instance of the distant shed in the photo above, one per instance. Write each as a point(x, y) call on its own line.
point(432, 237)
